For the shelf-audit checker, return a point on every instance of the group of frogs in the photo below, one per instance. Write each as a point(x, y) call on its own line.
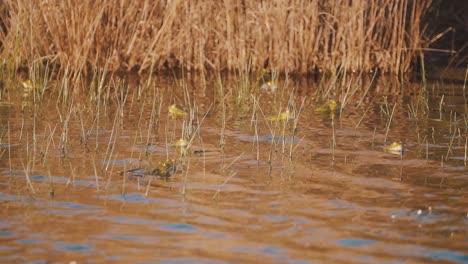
point(328, 109)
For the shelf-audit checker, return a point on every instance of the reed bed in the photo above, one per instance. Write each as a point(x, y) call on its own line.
point(117, 126)
point(287, 36)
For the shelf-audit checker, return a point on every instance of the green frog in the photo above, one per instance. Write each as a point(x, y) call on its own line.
point(163, 170)
point(395, 148)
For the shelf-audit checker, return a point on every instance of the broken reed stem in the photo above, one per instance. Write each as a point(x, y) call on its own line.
point(443, 171)
point(449, 150)
point(367, 90)
point(49, 141)
point(427, 150)
point(9, 147)
point(28, 178)
point(184, 185)
point(151, 123)
point(148, 186)
point(96, 177)
point(254, 121)
point(231, 175)
point(294, 128)
point(365, 112)
point(373, 136)
point(27, 168)
point(333, 137)
point(466, 148)
point(389, 122)
point(440, 106)
point(223, 114)
point(112, 141)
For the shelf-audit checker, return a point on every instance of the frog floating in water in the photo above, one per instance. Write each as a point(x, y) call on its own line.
point(163, 170)
point(177, 111)
point(266, 75)
point(330, 107)
point(269, 87)
point(283, 116)
point(395, 148)
point(267, 79)
point(180, 143)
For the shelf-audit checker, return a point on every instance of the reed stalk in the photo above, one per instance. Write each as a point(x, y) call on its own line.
point(389, 122)
point(466, 151)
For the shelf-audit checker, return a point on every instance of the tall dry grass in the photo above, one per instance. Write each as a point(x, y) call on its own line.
point(293, 35)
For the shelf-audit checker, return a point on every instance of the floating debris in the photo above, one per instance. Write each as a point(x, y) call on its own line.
point(199, 152)
point(177, 111)
point(395, 148)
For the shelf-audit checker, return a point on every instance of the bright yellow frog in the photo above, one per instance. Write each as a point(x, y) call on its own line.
point(176, 111)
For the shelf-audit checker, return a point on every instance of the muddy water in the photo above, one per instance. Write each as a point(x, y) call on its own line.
point(319, 190)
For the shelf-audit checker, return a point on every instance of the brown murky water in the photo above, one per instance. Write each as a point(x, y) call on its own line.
point(322, 190)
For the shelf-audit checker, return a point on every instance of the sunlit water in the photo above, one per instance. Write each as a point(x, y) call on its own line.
point(327, 193)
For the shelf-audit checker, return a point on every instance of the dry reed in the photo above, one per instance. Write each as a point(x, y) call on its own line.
point(292, 36)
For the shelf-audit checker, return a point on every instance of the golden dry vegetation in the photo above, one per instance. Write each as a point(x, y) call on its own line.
point(291, 35)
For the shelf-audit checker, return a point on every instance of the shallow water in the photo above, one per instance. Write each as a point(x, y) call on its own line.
point(325, 193)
